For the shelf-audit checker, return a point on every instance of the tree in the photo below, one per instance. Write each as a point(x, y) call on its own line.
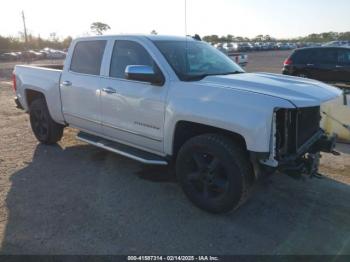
point(344, 36)
point(5, 44)
point(239, 39)
point(259, 38)
point(98, 28)
point(212, 39)
point(267, 38)
point(66, 42)
point(230, 38)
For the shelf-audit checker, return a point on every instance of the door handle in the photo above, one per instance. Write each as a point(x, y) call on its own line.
point(109, 90)
point(66, 83)
point(310, 64)
point(339, 66)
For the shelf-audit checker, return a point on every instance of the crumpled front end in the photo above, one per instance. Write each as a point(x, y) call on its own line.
point(297, 140)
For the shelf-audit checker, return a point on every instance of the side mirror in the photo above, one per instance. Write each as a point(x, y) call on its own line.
point(143, 73)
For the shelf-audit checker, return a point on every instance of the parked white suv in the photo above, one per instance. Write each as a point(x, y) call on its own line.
point(175, 100)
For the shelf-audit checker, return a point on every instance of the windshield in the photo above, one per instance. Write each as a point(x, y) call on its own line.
point(194, 60)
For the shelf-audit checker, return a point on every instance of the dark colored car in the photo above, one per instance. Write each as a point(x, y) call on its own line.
point(328, 64)
point(8, 57)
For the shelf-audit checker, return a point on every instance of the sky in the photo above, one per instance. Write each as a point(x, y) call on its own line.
point(248, 18)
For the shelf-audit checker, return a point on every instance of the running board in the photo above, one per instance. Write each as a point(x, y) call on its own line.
point(124, 150)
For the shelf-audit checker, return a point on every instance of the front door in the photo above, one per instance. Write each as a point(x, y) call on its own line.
point(309, 63)
point(132, 111)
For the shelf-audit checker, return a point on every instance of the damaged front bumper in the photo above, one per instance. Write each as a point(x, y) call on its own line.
point(296, 141)
point(307, 159)
point(304, 161)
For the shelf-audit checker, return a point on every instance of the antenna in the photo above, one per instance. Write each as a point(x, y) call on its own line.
point(186, 18)
point(186, 68)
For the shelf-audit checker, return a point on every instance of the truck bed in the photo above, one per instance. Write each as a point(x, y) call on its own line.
point(49, 66)
point(40, 78)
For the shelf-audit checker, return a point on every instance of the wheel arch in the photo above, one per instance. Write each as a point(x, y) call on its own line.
point(184, 130)
point(31, 95)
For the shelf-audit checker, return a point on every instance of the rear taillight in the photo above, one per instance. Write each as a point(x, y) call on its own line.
point(14, 82)
point(288, 61)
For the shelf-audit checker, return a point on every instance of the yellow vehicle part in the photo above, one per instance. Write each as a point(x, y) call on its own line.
point(336, 118)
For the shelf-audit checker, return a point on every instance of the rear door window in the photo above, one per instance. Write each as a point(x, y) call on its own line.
point(87, 57)
point(328, 56)
point(315, 56)
point(344, 57)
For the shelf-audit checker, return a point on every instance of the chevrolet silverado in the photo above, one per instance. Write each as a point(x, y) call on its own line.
point(164, 100)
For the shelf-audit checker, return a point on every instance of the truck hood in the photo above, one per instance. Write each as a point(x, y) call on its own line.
point(301, 92)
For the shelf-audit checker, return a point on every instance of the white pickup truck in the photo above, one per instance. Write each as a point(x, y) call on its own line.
point(165, 100)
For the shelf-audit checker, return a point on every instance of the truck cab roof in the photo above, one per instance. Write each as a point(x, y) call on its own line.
point(138, 36)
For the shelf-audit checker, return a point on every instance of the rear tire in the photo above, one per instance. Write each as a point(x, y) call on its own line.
point(45, 129)
point(214, 172)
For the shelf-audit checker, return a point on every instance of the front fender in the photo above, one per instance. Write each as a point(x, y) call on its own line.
point(245, 113)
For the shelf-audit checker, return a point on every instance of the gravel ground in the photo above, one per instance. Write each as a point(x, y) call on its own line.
point(73, 198)
point(270, 61)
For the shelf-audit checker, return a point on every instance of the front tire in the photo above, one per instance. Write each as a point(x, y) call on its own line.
point(214, 172)
point(45, 129)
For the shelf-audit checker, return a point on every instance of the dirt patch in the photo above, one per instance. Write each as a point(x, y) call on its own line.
point(270, 61)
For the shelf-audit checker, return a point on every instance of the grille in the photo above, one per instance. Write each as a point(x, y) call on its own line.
point(294, 128)
point(308, 123)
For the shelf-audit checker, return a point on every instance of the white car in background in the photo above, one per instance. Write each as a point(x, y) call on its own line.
point(53, 53)
point(338, 43)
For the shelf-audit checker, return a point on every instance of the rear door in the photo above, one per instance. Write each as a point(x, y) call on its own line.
point(80, 86)
point(327, 64)
point(319, 63)
point(343, 65)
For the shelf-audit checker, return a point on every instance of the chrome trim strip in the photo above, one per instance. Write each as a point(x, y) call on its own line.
point(139, 159)
point(82, 118)
point(131, 132)
point(126, 80)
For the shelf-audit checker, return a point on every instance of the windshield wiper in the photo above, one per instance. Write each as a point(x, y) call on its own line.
point(229, 73)
point(200, 77)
